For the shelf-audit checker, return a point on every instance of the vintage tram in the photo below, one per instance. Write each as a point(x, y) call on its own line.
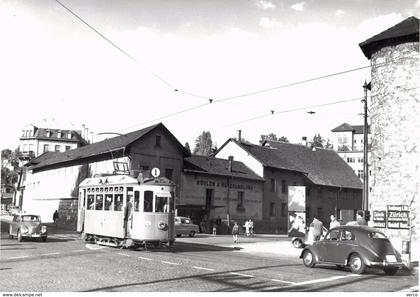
point(117, 209)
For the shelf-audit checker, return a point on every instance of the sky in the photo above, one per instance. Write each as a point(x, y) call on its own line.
point(57, 72)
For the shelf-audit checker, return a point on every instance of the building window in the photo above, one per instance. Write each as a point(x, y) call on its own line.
point(68, 148)
point(240, 199)
point(144, 167)
point(24, 148)
point(272, 185)
point(360, 173)
point(283, 187)
point(30, 147)
point(351, 160)
point(308, 191)
point(360, 160)
point(168, 173)
point(283, 209)
point(69, 135)
point(59, 134)
point(272, 209)
point(158, 138)
point(46, 148)
point(57, 148)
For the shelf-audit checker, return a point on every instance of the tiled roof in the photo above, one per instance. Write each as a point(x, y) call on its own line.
point(95, 149)
point(405, 31)
point(216, 166)
point(321, 166)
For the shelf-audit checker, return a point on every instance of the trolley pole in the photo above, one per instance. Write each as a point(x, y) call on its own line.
point(365, 204)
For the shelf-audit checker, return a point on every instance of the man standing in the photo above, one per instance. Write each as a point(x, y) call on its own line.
point(334, 222)
point(128, 216)
point(317, 229)
point(360, 218)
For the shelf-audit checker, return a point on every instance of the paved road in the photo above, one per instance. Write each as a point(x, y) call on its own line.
point(66, 263)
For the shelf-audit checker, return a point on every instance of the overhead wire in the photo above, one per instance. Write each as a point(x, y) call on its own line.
point(210, 101)
point(160, 78)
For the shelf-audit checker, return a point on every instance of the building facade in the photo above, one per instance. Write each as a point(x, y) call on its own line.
point(331, 186)
point(348, 143)
point(395, 124)
point(214, 188)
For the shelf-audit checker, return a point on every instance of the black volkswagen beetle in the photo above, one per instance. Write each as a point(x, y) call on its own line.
point(355, 246)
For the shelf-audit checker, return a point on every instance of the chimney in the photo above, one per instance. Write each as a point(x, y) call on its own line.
point(304, 141)
point(87, 134)
point(239, 136)
point(91, 136)
point(83, 131)
point(230, 163)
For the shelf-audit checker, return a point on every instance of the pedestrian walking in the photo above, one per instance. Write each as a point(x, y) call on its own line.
point(317, 229)
point(214, 229)
point(334, 222)
point(235, 232)
point(55, 217)
point(246, 228)
point(251, 227)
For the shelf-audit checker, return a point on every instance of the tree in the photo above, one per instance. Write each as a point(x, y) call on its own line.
point(272, 137)
point(187, 147)
point(328, 145)
point(203, 144)
point(318, 141)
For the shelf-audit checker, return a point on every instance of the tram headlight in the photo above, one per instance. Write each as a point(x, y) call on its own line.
point(162, 226)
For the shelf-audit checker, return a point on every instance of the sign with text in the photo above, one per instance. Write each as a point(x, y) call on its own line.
point(297, 198)
point(398, 217)
point(379, 218)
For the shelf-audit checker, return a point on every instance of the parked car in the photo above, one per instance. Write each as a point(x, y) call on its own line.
point(301, 242)
point(184, 226)
point(27, 226)
point(357, 247)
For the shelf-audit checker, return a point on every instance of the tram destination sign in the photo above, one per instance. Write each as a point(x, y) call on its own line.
point(398, 217)
point(379, 218)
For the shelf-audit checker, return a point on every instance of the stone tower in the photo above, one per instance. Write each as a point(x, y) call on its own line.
point(395, 124)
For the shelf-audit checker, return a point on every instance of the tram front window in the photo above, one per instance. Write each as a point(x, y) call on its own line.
point(162, 204)
point(148, 201)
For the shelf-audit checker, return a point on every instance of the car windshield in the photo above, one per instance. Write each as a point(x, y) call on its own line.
point(30, 219)
point(377, 235)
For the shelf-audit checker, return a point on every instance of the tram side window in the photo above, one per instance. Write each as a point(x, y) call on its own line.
point(99, 202)
point(136, 200)
point(148, 201)
point(171, 204)
point(90, 202)
point(118, 202)
point(161, 204)
point(108, 202)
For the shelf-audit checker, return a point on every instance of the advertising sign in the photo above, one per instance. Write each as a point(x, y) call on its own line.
point(398, 217)
point(296, 224)
point(379, 218)
point(297, 198)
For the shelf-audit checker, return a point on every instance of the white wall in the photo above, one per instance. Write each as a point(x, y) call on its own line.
point(239, 154)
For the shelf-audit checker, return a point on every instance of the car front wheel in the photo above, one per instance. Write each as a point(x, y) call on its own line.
point(356, 264)
point(308, 259)
point(297, 243)
point(390, 270)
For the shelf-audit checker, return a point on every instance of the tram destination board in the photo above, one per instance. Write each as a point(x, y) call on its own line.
point(379, 218)
point(398, 217)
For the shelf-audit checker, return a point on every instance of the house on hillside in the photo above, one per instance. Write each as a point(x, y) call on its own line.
point(331, 185)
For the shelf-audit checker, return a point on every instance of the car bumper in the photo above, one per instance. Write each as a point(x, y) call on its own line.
point(385, 264)
point(35, 235)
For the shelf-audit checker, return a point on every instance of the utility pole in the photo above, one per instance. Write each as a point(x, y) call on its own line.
point(365, 203)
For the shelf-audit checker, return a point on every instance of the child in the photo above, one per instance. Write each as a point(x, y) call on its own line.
point(235, 232)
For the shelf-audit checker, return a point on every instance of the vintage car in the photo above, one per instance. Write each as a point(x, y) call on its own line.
point(357, 247)
point(184, 226)
point(27, 226)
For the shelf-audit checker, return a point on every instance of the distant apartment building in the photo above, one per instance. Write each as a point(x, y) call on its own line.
point(348, 142)
point(35, 141)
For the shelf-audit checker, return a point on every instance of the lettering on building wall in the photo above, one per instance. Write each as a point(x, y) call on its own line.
point(398, 217)
point(379, 218)
point(208, 183)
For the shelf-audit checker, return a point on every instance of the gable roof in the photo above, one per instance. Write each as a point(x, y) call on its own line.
point(217, 166)
point(321, 166)
point(356, 129)
point(405, 31)
point(98, 148)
